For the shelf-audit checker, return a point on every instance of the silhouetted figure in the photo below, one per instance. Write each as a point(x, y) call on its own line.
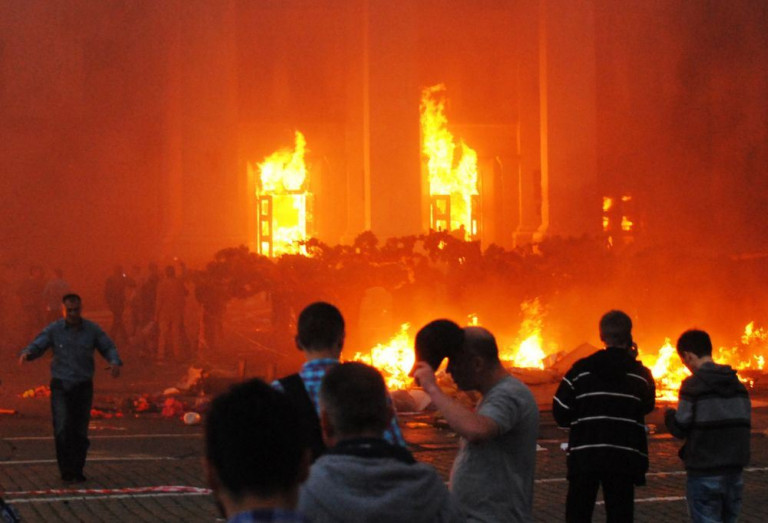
point(362, 477)
point(171, 297)
point(73, 341)
point(212, 296)
point(115, 294)
point(146, 336)
point(133, 299)
point(603, 399)
point(713, 416)
point(255, 455)
point(320, 336)
point(53, 292)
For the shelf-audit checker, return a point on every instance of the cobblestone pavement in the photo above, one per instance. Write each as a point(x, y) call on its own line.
point(150, 470)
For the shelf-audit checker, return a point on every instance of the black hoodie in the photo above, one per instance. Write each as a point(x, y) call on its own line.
point(603, 399)
point(713, 416)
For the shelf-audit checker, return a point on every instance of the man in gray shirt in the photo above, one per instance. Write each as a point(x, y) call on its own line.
point(73, 340)
point(492, 476)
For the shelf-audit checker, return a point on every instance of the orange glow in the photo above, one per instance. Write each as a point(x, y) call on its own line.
point(283, 200)
point(607, 203)
point(626, 224)
point(452, 170)
point(529, 352)
point(669, 371)
point(394, 359)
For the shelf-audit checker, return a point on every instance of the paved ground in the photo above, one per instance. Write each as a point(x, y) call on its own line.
point(149, 469)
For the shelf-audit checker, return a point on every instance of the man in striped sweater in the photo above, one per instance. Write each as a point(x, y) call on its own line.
point(713, 416)
point(603, 400)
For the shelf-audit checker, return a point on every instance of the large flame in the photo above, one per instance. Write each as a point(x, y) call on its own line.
point(530, 347)
point(452, 172)
point(669, 371)
point(282, 177)
point(394, 359)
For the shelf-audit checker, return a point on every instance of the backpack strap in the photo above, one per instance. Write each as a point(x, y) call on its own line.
point(294, 388)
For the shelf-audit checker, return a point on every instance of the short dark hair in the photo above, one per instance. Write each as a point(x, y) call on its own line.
point(436, 340)
point(320, 325)
point(695, 341)
point(355, 399)
point(616, 329)
point(479, 341)
point(253, 440)
point(71, 297)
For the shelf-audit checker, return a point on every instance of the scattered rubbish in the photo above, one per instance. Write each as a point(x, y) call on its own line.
point(192, 418)
point(43, 391)
point(8, 412)
point(171, 391)
point(102, 414)
point(172, 408)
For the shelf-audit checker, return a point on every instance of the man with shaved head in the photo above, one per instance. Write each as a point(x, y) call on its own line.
point(492, 476)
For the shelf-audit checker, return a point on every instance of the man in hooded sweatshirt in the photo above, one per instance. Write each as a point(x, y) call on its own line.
point(714, 417)
point(603, 400)
point(362, 477)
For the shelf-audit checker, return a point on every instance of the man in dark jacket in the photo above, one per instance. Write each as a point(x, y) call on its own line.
point(713, 416)
point(603, 399)
point(362, 477)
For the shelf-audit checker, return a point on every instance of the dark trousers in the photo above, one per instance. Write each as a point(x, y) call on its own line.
point(71, 409)
point(618, 494)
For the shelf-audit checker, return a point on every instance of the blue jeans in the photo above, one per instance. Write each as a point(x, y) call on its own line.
point(714, 499)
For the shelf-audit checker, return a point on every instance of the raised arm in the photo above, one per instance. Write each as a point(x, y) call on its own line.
point(467, 423)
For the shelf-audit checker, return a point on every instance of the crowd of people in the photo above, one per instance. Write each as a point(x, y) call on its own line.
point(263, 465)
point(386, 284)
point(324, 444)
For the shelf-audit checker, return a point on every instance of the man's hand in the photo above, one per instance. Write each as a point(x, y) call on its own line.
point(115, 370)
point(22, 359)
point(424, 376)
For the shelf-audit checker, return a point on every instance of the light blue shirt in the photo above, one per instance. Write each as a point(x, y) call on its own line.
point(73, 347)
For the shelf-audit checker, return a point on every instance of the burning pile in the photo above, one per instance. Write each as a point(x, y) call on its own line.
point(747, 357)
point(396, 357)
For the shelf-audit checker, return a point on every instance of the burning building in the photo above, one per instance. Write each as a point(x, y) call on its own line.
point(174, 129)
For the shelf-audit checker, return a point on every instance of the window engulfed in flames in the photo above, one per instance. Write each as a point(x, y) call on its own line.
point(617, 219)
point(284, 204)
point(451, 169)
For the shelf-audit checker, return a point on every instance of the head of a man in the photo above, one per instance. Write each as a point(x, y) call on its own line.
point(254, 449)
point(72, 309)
point(616, 329)
point(473, 367)
point(354, 402)
point(693, 346)
point(320, 328)
point(436, 340)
